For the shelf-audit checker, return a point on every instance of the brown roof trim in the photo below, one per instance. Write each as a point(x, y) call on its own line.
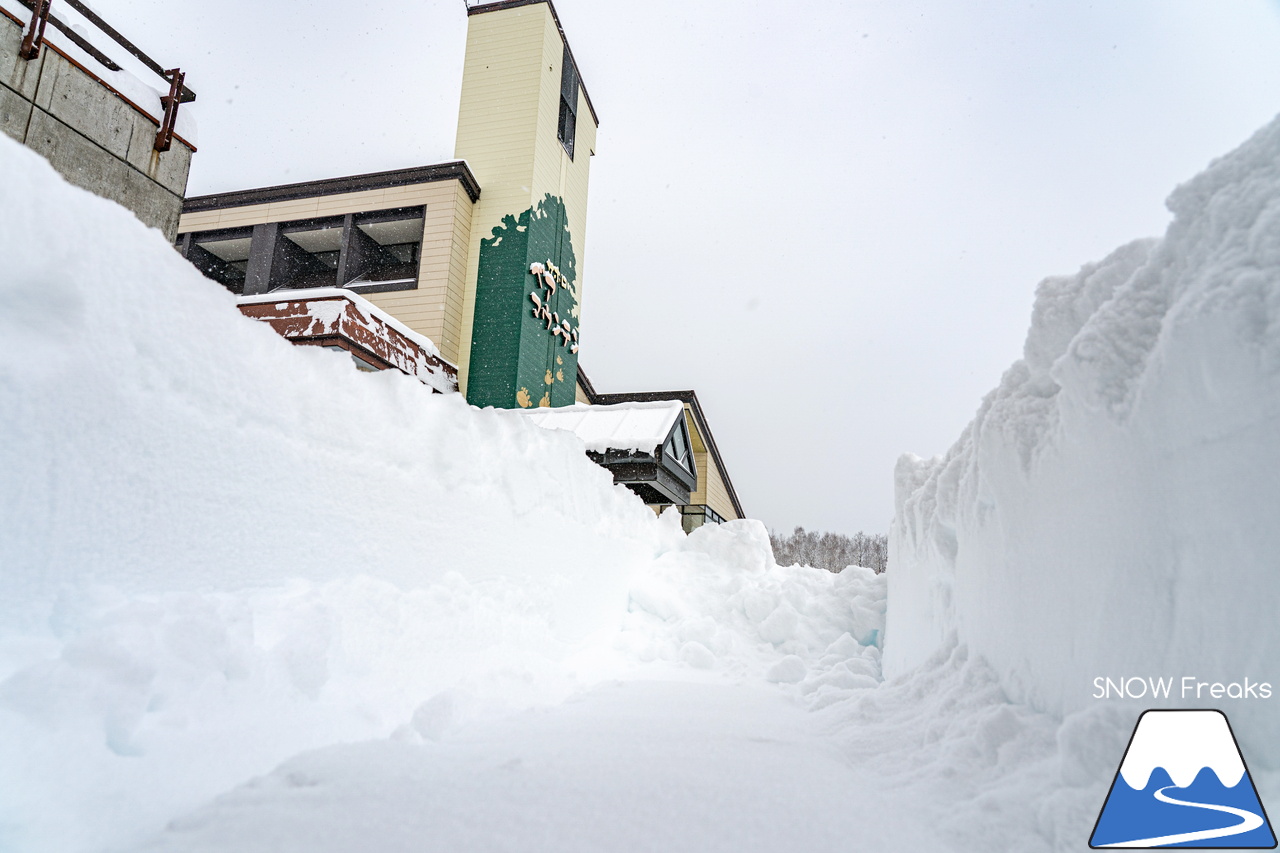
point(587, 387)
point(499, 5)
point(699, 418)
point(454, 170)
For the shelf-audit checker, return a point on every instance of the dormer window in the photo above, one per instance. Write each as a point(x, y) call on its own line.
point(676, 448)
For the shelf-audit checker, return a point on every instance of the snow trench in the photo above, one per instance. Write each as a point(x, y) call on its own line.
point(246, 589)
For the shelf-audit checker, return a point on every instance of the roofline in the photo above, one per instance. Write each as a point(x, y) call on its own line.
point(499, 5)
point(689, 397)
point(587, 387)
point(453, 170)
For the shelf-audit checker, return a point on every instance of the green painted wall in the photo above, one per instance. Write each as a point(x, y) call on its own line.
point(516, 360)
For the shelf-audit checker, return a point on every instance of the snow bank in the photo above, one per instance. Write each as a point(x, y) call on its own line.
point(157, 440)
point(720, 602)
point(141, 707)
point(1111, 510)
point(220, 550)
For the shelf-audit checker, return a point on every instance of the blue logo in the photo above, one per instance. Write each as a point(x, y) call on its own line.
point(1183, 783)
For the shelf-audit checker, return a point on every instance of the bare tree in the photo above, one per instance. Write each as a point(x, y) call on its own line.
point(831, 551)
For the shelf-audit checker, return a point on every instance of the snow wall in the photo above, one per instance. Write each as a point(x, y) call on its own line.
point(155, 439)
point(219, 550)
point(1114, 507)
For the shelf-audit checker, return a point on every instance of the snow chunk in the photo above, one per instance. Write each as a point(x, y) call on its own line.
point(789, 670)
point(697, 655)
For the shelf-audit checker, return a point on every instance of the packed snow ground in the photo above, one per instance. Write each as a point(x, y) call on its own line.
point(252, 599)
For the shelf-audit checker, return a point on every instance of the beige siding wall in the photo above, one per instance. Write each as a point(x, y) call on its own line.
point(497, 129)
point(437, 302)
point(574, 178)
point(711, 489)
point(507, 122)
point(717, 494)
point(701, 457)
point(701, 460)
point(554, 171)
point(433, 309)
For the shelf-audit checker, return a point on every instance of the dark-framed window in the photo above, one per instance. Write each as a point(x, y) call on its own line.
point(567, 126)
point(693, 516)
point(222, 255)
point(383, 249)
point(677, 448)
point(367, 252)
point(306, 254)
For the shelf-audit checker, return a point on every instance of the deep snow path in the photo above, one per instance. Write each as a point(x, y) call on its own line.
point(633, 766)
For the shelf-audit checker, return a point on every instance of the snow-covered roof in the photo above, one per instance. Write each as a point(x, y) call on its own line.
point(622, 426)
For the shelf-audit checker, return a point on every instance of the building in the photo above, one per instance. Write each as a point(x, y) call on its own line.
point(482, 255)
point(712, 498)
point(449, 249)
point(644, 444)
point(63, 95)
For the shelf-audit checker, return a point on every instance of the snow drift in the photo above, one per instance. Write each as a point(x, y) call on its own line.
point(154, 439)
point(1111, 510)
point(219, 551)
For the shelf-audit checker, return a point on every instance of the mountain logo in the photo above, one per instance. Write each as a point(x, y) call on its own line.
point(1183, 783)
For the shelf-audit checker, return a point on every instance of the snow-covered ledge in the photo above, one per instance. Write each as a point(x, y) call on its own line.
point(332, 316)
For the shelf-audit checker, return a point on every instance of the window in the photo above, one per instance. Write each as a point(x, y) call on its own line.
point(568, 125)
point(366, 252)
point(221, 255)
point(694, 516)
point(677, 448)
point(383, 250)
point(307, 254)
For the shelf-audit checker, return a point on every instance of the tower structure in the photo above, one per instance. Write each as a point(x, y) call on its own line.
point(474, 264)
point(527, 130)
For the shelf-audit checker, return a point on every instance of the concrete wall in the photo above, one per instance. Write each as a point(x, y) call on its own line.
point(91, 134)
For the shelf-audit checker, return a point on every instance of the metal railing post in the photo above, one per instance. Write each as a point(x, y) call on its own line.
point(35, 32)
point(164, 138)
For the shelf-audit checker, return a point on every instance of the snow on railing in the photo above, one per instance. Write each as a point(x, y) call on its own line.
point(73, 28)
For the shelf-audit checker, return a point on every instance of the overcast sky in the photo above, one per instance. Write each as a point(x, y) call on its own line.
point(827, 218)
